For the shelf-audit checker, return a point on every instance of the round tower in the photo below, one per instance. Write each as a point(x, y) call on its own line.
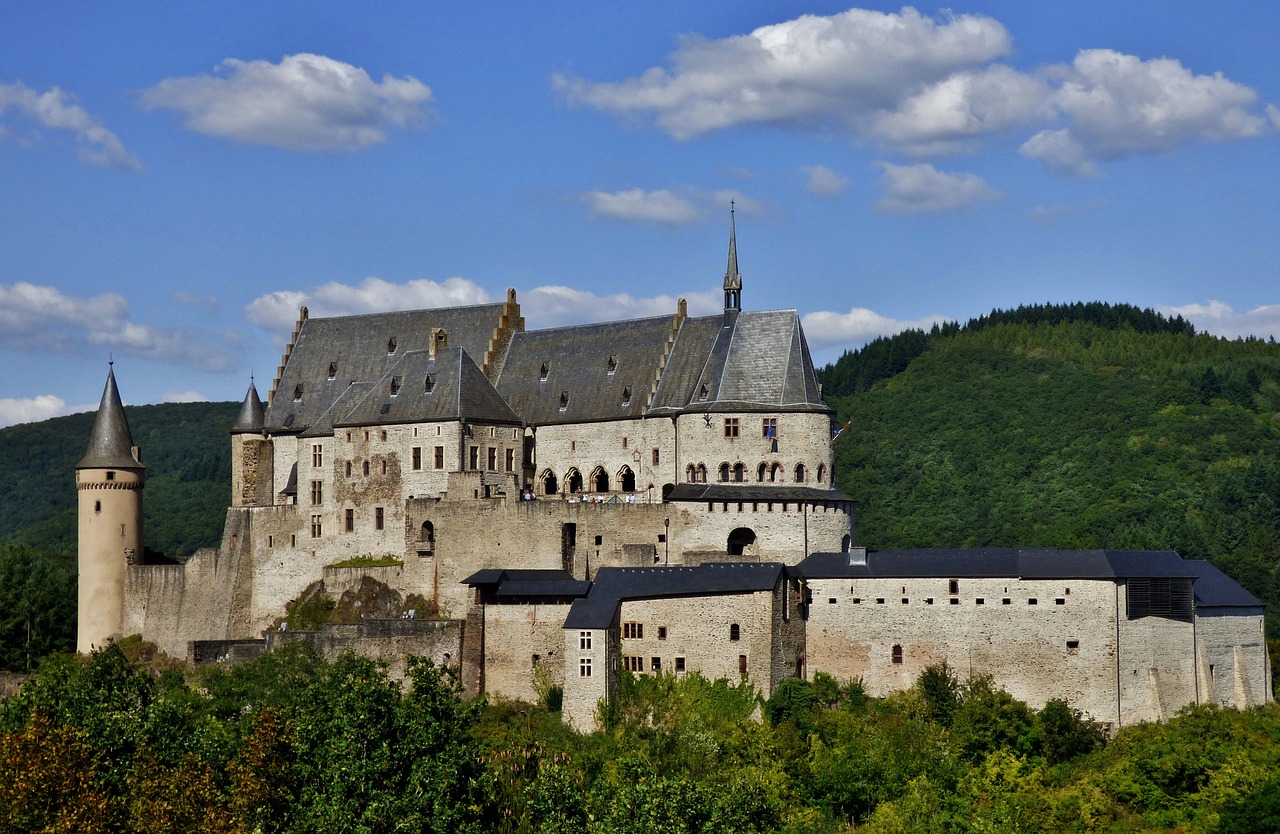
point(109, 481)
point(252, 461)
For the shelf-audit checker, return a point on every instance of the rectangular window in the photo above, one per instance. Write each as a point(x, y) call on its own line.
point(624, 443)
point(769, 428)
point(655, 663)
point(633, 664)
point(317, 455)
point(439, 457)
point(493, 459)
point(584, 640)
point(417, 458)
point(377, 518)
point(662, 632)
point(271, 541)
point(316, 527)
point(633, 631)
point(679, 664)
point(474, 454)
point(657, 456)
point(731, 427)
point(511, 460)
point(349, 521)
point(317, 493)
point(742, 664)
point(584, 667)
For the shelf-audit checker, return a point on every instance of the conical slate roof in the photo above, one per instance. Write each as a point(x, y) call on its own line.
point(111, 444)
point(250, 419)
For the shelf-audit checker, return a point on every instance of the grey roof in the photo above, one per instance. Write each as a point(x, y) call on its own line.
point(110, 443)
point(525, 583)
point(577, 361)
point(1030, 563)
point(356, 349)
point(251, 413)
point(449, 386)
point(1214, 589)
point(755, 360)
point(753, 492)
point(599, 609)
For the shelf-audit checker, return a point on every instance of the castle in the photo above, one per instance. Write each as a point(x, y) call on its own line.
point(655, 495)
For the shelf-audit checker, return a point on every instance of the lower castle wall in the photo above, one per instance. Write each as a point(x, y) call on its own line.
point(513, 636)
point(1234, 667)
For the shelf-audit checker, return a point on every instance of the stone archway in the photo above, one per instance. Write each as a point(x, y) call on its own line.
point(739, 540)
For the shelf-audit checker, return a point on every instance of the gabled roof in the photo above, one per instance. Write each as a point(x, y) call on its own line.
point(419, 388)
point(979, 562)
point(577, 362)
point(1214, 589)
point(599, 609)
point(329, 354)
point(740, 361)
point(110, 443)
point(525, 583)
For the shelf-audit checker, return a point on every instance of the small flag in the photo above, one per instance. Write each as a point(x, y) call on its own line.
point(842, 428)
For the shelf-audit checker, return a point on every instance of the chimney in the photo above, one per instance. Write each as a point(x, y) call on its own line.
point(439, 339)
point(857, 556)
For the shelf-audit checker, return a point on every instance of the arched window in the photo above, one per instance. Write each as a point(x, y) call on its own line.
point(760, 470)
point(735, 633)
point(626, 479)
point(775, 473)
point(740, 539)
point(550, 485)
point(600, 479)
point(690, 474)
point(822, 472)
point(845, 543)
point(573, 479)
point(799, 473)
point(701, 473)
point(897, 654)
point(667, 489)
point(427, 539)
point(739, 472)
point(724, 472)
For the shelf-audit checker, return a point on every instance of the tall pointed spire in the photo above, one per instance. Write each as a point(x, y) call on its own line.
point(110, 444)
point(732, 279)
point(251, 414)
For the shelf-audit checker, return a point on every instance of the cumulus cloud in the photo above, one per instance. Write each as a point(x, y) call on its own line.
point(826, 330)
point(184, 397)
point(545, 306)
point(921, 188)
point(1119, 105)
point(31, 410)
point(57, 110)
point(39, 318)
point(823, 181)
point(1220, 319)
point(684, 205)
point(860, 72)
point(305, 102)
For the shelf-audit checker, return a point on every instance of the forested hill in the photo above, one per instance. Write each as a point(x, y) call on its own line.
point(187, 450)
point(1074, 427)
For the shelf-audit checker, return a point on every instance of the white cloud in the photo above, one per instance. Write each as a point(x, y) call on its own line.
point(922, 188)
point(660, 206)
point(1273, 113)
point(57, 110)
point(823, 181)
point(305, 102)
point(38, 318)
point(1220, 319)
point(32, 410)
point(825, 330)
point(184, 397)
point(1119, 105)
point(685, 205)
point(552, 306)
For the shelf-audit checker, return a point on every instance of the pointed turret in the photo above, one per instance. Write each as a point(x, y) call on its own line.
point(110, 444)
point(732, 279)
point(252, 413)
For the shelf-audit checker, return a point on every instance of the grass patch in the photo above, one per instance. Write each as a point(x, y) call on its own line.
point(387, 561)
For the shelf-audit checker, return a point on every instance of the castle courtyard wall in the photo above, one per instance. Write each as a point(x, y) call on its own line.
point(1233, 664)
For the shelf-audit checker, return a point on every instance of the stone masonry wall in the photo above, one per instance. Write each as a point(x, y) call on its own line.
point(513, 636)
point(1233, 663)
point(802, 437)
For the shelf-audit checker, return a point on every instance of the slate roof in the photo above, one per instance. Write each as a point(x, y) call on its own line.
point(599, 609)
point(459, 390)
point(529, 583)
point(577, 361)
point(357, 349)
point(1214, 589)
point(1029, 563)
point(252, 412)
point(754, 360)
point(110, 442)
point(754, 492)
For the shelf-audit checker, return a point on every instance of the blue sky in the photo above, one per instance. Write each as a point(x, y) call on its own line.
point(177, 179)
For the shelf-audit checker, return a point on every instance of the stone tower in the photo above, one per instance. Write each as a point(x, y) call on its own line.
point(732, 278)
point(109, 481)
point(251, 455)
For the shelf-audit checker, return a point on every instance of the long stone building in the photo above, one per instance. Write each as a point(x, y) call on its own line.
point(652, 495)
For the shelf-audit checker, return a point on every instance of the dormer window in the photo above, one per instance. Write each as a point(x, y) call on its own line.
point(430, 384)
point(333, 370)
point(702, 393)
point(626, 396)
point(542, 374)
point(391, 345)
point(395, 385)
point(297, 393)
point(613, 364)
point(564, 400)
